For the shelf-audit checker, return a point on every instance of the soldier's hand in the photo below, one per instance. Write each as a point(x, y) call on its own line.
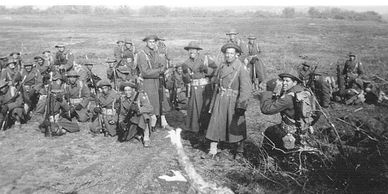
point(78, 107)
point(97, 110)
point(240, 112)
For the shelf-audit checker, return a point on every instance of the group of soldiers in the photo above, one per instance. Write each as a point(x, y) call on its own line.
point(142, 85)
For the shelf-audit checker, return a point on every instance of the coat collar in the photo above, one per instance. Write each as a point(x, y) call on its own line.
point(228, 69)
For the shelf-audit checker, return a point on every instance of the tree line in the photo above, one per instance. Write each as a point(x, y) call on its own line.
point(163, 11)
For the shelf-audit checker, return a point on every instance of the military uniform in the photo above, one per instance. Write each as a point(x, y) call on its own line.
point(138, 124)
point(12, 102)
point(108, 104)
point(32, 84)
point(233, 93)
point(12, 76)
point(120, 74)
point(78, 95)
point(65, 59)
point(176, 80)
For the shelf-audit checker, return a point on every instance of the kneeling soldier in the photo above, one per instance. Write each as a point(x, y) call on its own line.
point(31, 86)
point(78, 95)
point(135, 113)
point(105, 115)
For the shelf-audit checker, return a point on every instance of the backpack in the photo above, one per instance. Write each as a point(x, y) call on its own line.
point(306, 112)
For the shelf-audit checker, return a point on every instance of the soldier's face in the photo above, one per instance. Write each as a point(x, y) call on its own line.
point(121, 43)
point(61, 49)
point(90, 67)
point(40, 61)
point(47, 54)
point(151, 44)
point(306, 67)
point(28, 68)
point(58, 81)
point(128, 45)
point(105, 89)
point(352, 58)
point(179, 70)
point(193, 53)
point(288, 83)
point(72, 80)
point(111, 65)
point(15, 56)
point(12, 65)
point(251, 41)
point(232, 36)
point(230, 55)
point(129, 91)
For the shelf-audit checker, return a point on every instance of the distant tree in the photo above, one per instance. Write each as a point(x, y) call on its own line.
point(125, 10)
point(102, 10)
point(314, 12)
point(25, 10)
point(288, 12)
point(156, 11)
point(3, 9)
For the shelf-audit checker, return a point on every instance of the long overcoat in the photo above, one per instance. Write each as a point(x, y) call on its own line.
point(224, 124)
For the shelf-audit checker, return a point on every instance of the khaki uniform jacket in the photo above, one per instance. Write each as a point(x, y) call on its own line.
point(78, 91)
point(145, 109)
point(65, 59)
point(10, 75)
point(32, 78)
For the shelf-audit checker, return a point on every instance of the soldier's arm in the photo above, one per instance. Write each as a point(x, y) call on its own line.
point(245, 89)
point(270, 106)
point(145, 105)
point(345, 70)
point(85, 93)
point(360, 70)
point(18, 102)
point(145, 69)
point(123, 111)
point(39, 81)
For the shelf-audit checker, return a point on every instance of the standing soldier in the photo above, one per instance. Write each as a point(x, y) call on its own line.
point(3, 62)
point(152, 68)
point(105, 115)
point(78, 96)
point(195, 70)
point(255, 64)
point(88, 77)
point(163, 51)
point(118, 73)
point(135, 113)
point(31, 86)
point(230, 100)
point(232, 38)
point(119, 50)
point(63, 58)
point(48, 58)
point(11, 106)
point(177, 88)
point(10, 74)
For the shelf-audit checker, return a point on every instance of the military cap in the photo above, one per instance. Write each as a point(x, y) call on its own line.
point(119, 41)
point(38, 57)
point(86, 64)
point(178, 65)
point(151, 37)
point(46, 51)
point(230, 45)
point(251, 37)
point(3, 83)
point(127, 84)
point(232, 31)
point(28, 63)
point(110, 60)
point(291, 75)
point(271, 84)
point(17, 53)
point(60, 45)
point(104, 82)
point(57, 76)
point(72, 74)
point(306, 64)
point(128, 41)
point(193, 45)
point(11, 62)
point(352, 54)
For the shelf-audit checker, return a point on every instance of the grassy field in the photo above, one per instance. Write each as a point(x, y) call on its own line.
point(78, 163)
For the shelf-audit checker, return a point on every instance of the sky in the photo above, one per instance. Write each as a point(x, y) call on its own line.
point(198, 3)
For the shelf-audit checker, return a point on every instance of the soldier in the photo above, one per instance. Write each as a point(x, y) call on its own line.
point(105, 114)
point(227, 122)
point(152, 68)
point(163, 51)
point(316, 82)
point(135, 113)
point(11, 102)
point(280, 98)
point(118, 50)
point(10, 74)
point(43, 68)
point(118, 73)
point(78, 96)
point(63, 58)
point(48, 58)
point(56, 85)
point(353, 70)
point(255, 65)
point(15, 57)
point(3, 62)
point(177, 88)
point(88, 77)
point(232, 38)
point(31, 86)
point(195, 70)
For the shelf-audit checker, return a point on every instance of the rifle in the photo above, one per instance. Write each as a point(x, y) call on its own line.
point(161, 93)
point(174, 94)
point(48, 109)
point(100, 118)
point(124, 132)
point(5, 121)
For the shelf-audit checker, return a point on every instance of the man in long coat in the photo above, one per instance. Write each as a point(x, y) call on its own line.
point(78, 96)
point(227, 122)
point(152, 68)
point(195, 70)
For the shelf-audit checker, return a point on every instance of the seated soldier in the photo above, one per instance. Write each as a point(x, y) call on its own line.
point(32, 82)
point(135, 113)
point(78, 96)
point(290, 131)
point(177, 88)
point(118, 73)
point(354, 94)
point(105, 114)
point(11, 102)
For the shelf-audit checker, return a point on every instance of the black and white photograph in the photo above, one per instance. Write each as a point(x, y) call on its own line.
point(193, 97)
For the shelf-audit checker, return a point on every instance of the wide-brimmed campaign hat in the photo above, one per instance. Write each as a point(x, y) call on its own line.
point(127, 84)
point(230, 45)
point(193, 45)
point(13, 53)
point(151, 37)
point(232, 31)
point(60, 45)
point(291, 75)
point(251, 37)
